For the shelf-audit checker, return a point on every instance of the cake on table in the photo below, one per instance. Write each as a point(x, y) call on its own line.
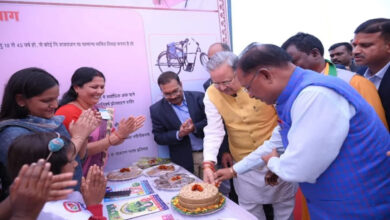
point(197, 198)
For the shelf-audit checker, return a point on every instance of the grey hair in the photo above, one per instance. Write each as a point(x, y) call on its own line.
point(221, 58)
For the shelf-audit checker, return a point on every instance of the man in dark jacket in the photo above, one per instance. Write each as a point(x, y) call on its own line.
point(178, 120)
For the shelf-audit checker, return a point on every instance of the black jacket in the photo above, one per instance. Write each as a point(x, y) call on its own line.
point(166, 124)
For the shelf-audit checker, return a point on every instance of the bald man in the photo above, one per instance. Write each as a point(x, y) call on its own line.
point(213, 49)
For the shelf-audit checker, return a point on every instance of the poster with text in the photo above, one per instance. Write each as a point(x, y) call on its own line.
point(131, 43)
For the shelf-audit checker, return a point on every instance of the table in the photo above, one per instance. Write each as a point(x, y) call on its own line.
point(231, 211)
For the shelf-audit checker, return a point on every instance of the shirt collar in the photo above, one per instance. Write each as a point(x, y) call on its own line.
point(379, 74)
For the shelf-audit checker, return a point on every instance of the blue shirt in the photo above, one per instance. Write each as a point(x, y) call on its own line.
point(377, 77)
point(183, 114)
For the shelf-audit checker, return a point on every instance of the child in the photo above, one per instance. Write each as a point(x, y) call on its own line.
point(29, 148)
point(33, 186)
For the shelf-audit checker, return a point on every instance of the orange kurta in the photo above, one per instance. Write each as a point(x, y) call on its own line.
point(368, 91)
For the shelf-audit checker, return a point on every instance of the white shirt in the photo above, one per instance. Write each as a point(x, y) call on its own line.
point(320, 123)
point(377, 77)
point(72, 207)
point(214, 131)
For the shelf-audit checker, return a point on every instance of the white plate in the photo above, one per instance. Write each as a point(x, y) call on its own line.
point(134, 173)
point(146, 162)
point(169, 186)
point(153, 172)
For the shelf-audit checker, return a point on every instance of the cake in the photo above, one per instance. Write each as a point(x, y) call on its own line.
point(198, 195)
point(198, 199)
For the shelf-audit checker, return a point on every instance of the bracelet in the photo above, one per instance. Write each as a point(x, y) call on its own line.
point(209, 167)
point(109, 141)
point(233, 172)
point(116, 134)
point(208, 164)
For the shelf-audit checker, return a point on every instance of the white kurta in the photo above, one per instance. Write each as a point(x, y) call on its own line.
point(72, 207)
point(320, 123)
point(250, 187)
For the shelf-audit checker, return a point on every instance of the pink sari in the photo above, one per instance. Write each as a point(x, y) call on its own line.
point(99, 159)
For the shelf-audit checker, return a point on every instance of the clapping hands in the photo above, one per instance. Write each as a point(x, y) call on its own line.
point(35, 185)
point(93, 187)
point(59, 188)
point(129, 125)
point(186, 128)
point(88, 121)
point(30, 190)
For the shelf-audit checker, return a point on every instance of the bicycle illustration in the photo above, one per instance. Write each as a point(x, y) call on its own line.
point(177, 56)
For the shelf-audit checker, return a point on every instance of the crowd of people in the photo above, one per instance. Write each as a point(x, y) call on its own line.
point(296, 124)
point(31, 120)
point(281, 122)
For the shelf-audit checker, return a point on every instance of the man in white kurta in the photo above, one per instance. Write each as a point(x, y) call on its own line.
point(249, 123)
point(333, 139)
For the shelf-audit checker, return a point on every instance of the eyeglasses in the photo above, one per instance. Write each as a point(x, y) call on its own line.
point(173, 93)
point(225, 83)
point(247, 88)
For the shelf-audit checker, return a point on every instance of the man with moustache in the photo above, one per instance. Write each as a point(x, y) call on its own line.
point(224, 157)
point(178, 120)
point(307, 52)
point(334, 142)
point(248, 123)
point(371, 47)
point(213, 49)
point(341, 55)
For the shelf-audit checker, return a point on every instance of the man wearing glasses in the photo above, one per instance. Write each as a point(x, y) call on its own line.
point(213, 49)
point(335, 144)
point(249, 123)
point(178, 120)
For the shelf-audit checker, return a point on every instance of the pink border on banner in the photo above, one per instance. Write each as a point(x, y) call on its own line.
point(110, 6)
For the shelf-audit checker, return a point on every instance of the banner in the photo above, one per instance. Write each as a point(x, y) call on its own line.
point(130, 44)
